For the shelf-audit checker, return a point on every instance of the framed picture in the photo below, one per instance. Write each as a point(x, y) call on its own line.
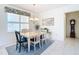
point(48, 21)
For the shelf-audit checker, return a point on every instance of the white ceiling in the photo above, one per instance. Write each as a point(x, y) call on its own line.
point(39, 8)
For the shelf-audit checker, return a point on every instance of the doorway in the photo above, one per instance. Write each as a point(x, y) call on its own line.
point(72, 24)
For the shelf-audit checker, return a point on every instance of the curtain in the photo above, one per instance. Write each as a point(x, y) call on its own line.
point(15, 11)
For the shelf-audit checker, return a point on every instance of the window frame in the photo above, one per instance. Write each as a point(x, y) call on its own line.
point(10, 22)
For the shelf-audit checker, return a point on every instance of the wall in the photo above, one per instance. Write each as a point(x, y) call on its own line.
point(33, 23)
point(58, 30)
point(6, 37)
point(69, 16)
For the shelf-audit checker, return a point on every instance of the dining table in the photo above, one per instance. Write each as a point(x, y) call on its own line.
point(30, 35)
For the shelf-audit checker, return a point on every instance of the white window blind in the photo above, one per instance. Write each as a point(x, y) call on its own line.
point(17, 22)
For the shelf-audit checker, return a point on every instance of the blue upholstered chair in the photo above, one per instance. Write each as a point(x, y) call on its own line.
point(20, 40)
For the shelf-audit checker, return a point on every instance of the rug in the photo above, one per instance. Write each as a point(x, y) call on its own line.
point(12, 49)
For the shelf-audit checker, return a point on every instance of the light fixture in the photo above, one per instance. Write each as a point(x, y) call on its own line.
point(34, 18)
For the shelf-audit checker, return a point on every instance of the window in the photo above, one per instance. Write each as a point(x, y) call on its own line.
point(24, 22)
point(17, 22)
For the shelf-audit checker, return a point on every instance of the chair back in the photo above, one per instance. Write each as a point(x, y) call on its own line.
point(18, 36)
point(41, 36)
point(45, 36)
point(37, 38)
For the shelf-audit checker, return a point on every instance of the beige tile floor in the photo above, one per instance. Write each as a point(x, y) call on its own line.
point(69, 46)
point(55, 49)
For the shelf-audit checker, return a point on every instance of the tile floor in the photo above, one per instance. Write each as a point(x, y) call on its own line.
point(69, 46)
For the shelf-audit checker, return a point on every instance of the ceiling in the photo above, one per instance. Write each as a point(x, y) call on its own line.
point(38, 8)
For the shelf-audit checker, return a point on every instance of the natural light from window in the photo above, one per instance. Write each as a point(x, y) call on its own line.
point(17, 22)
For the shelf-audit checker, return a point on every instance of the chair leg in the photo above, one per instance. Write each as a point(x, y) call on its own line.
point(16, 46)
point(39, 45)
point(20, 48)
point(23, 46)
point(45, 41)
point(34, 47)
point(42, 43)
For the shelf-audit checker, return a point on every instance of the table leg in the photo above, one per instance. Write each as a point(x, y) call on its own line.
point(28, 44)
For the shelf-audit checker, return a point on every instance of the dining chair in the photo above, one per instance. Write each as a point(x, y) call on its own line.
point(20, 40)
point(43, 38)
point(35, 41)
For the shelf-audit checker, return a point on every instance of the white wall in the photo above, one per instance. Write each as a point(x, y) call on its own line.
point(6, 37)
point(59, 19)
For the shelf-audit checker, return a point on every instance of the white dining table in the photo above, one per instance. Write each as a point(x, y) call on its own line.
point(30, 35)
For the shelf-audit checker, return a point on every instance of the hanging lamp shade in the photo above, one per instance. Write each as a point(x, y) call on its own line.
point(34, 18)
